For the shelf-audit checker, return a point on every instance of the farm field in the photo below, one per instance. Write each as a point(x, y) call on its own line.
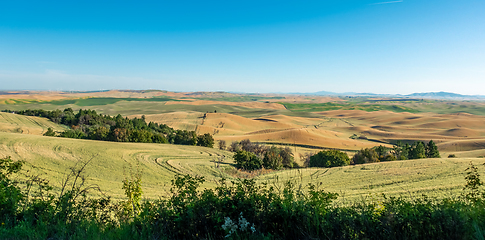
point(111, 163)
point(27, 125)
point(306, 121)
point(306, 124)
point(339, 129)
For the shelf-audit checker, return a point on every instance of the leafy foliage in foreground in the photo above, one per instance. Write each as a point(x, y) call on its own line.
point(236, 210)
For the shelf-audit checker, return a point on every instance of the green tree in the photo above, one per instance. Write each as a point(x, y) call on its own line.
point(205, 140)
point(418, 151)
point(142, 136)
point(473, 183)
point(10, 193)
point(50, 132)
point(288, 159)
point(185, 137)
point(120, 135)
point(247, 160)
point(381, 151)
point(133, 192)
point(159, 138)
point(329, 158)
point(432, 150)
point(98, 133)
point(73, 134)
point(272, 158)
point(367, 155)
point(399, 151)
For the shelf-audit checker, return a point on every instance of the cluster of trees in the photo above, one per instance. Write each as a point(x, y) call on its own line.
point(335, 158)
point(87, 124)
point(328, 158)
point(400, 151)
point(253, 156)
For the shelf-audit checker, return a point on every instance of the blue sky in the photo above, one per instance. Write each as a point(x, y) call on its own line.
point(245, 46)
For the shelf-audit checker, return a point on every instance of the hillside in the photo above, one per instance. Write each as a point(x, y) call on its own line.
point(230, 117)
point(26, 124)
point(111, 162)
point(454, 133)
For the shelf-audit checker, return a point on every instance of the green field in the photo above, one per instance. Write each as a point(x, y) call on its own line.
point(111, 162)
point(244, 98)
point(27, 125)
point(409, 179)
point(156, 105)
point(126, 108)
point(320, 107)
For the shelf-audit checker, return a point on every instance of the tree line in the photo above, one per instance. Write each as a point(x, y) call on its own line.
point(88, 124)
point(335, 158)
point(253, 156)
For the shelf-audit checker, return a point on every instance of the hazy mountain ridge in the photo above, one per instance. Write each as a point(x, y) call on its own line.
point(431, 95)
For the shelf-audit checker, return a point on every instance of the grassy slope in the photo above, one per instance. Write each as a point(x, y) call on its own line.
point(52, 157)
point(410, 179)
point(27, 125)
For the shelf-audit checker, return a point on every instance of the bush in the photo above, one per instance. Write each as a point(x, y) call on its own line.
point(50, 133)
point(159, 138)
point(367, 155)
point(240, 209)
point(205, 140)
point(222, 144)
point(272, 159)
point(247, 160)
point(72, 134)
point(329, 158)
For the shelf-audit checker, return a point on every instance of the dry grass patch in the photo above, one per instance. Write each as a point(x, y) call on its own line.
point(409, 179)
point(15, 123)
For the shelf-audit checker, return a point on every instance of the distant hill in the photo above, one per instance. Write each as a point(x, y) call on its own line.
point(437, 95)
point(431, 95)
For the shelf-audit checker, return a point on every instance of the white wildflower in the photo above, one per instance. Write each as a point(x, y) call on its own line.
point(243, 223)
point(229, 226)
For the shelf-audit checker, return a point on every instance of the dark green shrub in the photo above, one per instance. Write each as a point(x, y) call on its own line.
point(72, 134)
point(367, 155)
point(417, 151)
point(432, 150)
point(272, 159)
point(329, 158)
point(50, 133)
point(205, 140)
point(142, 136)
point(10, 193)
point(159, 138)
point(247, 160)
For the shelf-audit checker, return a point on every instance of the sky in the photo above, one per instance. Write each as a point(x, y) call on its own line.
point(393, 47)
